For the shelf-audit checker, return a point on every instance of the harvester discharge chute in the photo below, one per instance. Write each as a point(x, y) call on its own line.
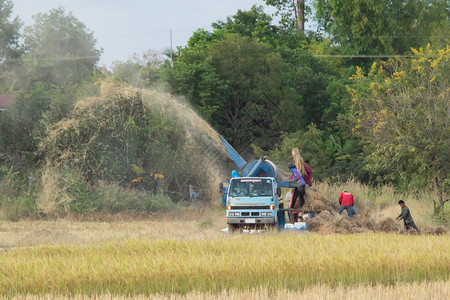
point(258, 168)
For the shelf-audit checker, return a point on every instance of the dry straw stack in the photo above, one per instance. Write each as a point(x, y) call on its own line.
point(298, 161)
point(328, 221)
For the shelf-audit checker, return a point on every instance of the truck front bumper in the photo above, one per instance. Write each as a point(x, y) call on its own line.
point(249, 220)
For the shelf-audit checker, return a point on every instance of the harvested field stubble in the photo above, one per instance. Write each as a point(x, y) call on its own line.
point(182, 224)
point(142, 267)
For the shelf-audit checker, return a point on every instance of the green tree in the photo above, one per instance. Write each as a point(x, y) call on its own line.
point(61, 48)
point(308, 79)
point(60, 58)
point(9, 32)
point(238, 85)
point(386, 26)
point(402, 115)
point(253, 23)
point(20, 124)
point(10, 49)
point(311, 144)
point(257, 97)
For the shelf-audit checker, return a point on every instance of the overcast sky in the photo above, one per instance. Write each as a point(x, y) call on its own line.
point(124, 27)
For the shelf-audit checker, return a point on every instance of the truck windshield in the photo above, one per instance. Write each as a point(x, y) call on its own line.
point(251, 187)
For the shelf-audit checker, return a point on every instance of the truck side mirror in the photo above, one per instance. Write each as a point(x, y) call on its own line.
point(279, 192)
point(221, 185)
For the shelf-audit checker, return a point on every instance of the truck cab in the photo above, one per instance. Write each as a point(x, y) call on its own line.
point(252, 203)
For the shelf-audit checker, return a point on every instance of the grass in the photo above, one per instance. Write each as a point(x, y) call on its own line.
point(242, 263)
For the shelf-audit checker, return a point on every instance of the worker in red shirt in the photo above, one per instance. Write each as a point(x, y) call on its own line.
point(346, 202)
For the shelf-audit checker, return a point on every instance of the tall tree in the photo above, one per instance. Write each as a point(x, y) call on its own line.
point(292, 13)
point(402, 115)
point(239, 85)
point(9, 32)
point(10, 49)
point(254, 23)
point(384, 26)
point(62, 49)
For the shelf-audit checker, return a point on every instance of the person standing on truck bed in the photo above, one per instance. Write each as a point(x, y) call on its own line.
point(405, 215)
point(298, 197)
point(309, 171)
point(346, 202)
point(288, 201)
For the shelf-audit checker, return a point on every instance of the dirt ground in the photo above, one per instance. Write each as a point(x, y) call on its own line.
point(186, 224)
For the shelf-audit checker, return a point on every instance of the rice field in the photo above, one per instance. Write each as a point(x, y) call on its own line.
point(184, 255)
point(242, 263)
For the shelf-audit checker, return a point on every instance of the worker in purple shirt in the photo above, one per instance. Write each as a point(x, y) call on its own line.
point(309, 171)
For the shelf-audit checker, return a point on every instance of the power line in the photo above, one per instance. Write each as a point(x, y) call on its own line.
point(171, 53)
point(362, 56)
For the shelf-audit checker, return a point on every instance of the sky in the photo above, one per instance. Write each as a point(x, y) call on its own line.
point(124, 27)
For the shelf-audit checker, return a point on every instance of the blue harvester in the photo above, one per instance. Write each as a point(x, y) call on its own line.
point(253, 200)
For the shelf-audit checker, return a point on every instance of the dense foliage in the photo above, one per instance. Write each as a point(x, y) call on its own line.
point(264, 86)
point(384, 27)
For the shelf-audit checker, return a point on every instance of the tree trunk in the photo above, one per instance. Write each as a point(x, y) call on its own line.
point(300, 16)
point(440, 204)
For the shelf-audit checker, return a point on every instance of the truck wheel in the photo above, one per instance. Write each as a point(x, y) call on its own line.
point(233, 228)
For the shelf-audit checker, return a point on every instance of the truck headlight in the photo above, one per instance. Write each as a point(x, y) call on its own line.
point(266, 214)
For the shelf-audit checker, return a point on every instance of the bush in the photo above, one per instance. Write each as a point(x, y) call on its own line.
point(112, 198)
point(14, 209)
point(443, 217)
point(63, 190)
point(16, 201)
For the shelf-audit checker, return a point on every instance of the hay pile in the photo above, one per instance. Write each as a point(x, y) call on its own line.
point(389, 225)
point(314, 200)
point(328, 222)
point(435, 230)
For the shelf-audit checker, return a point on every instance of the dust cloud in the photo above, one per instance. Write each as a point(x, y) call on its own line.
point(211, 156)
